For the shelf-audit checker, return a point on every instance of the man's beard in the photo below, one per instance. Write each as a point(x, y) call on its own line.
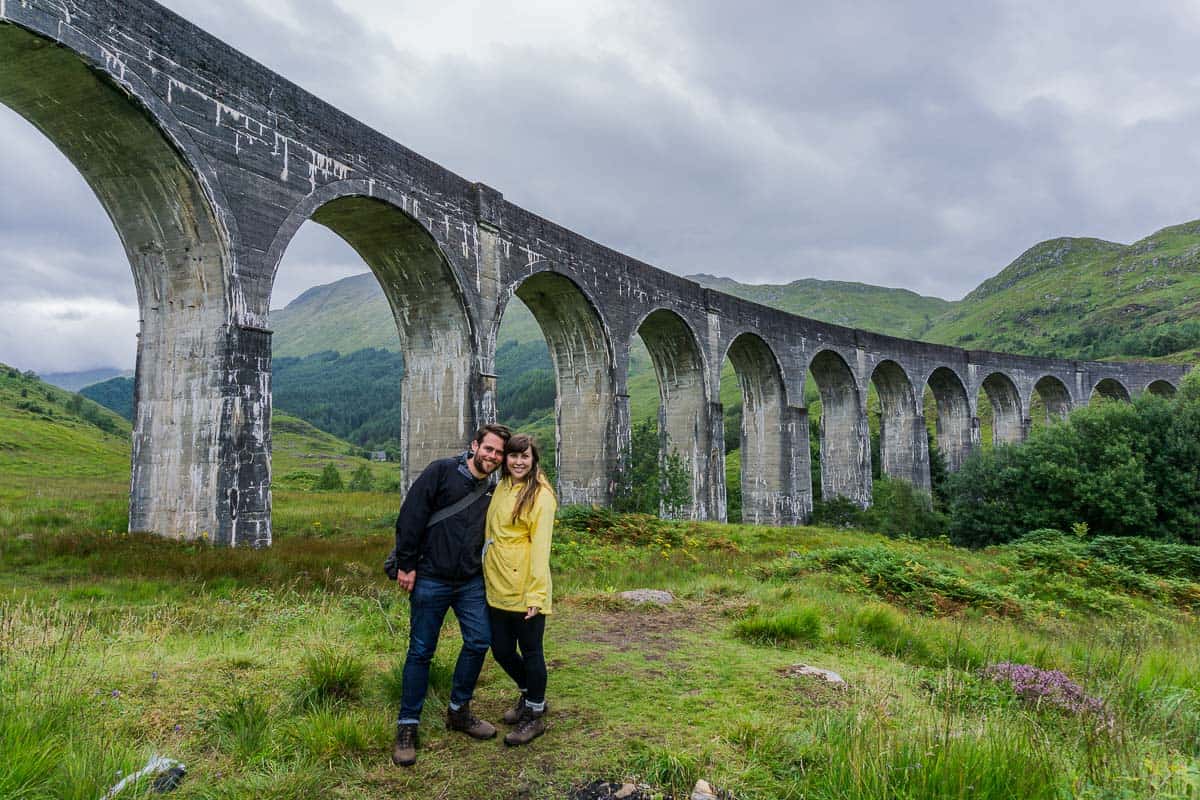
point(481, 465)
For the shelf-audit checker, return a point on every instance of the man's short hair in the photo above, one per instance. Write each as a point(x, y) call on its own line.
point(496, 429)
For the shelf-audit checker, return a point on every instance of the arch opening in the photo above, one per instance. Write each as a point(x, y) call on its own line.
point(438, 386)
point(1055, 400)
point(1007, 423)
point(1109, 389)
point(1161, 388)
point(178, 255)
point(582, 358)
point(684, 416)
point(761, 451)
point(845, 445)
point(903, 440)
point(953, 422)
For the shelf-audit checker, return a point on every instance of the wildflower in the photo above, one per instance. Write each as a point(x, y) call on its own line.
point(1045, 686)
point(116, 693)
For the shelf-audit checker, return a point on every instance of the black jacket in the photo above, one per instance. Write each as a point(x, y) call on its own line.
point(452, 550)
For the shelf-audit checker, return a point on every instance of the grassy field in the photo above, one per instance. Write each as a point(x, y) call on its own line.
point(276, 673)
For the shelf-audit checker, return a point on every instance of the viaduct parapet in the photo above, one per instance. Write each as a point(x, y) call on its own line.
point(207, 163)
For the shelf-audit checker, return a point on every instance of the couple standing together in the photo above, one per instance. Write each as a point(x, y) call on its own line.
point(483, 550)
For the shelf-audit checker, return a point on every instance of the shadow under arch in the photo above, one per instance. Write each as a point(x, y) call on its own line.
point(1055, 395)
point(582, 354)
point(954, 422)
point(1109, 389)
point(903, 440)
point(162, 199)
point(769, 470)
point(845, 435)
point(1161, 388)
point(685, 420)
point(439, 392)
point(1007, 423)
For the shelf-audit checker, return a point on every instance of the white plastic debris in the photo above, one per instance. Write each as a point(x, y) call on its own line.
point(157, 765)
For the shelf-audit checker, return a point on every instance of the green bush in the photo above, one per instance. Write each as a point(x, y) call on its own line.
point(1124, 469)
point(793, 625)
point(899, 577)
point(899, 509)
point(330, 480)
point(331, 675)
point(1166, 559)
point(362, 480)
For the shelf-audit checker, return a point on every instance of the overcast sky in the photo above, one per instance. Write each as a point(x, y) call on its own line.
point(915, 145)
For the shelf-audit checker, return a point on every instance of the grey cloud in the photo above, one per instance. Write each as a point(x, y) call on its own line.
point(922, 145)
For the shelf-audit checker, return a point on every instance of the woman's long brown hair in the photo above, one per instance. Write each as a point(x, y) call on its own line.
point(534, 482)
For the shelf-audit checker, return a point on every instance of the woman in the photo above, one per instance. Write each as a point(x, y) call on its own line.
point(516, 572)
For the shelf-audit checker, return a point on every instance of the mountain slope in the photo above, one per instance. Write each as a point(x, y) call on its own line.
point(896, 312)
point(1087, 298)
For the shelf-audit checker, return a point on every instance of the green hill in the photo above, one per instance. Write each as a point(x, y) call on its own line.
point(50, 435)
point(1088, 298)
point(895, 312)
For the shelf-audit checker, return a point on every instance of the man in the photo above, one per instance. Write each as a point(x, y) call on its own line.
point(439, 564)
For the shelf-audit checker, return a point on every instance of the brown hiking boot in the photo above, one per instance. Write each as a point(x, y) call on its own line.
point(530, 726)
point(463, 720)
point(404, 751)
point(513, 715)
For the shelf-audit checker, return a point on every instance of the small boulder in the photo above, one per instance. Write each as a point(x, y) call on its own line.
point(827, 675)
point(653, 596)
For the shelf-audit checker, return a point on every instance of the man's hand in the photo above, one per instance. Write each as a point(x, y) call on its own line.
point(406, 580)
point(532, 612)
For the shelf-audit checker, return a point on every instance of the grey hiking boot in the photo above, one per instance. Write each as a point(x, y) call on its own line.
point(463, 720)
point(531, 725)
point(404, 751)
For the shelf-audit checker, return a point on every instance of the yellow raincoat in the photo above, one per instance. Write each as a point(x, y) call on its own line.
point(516, 557)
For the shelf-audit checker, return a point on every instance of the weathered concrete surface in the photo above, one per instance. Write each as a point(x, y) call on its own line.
point(208, 163)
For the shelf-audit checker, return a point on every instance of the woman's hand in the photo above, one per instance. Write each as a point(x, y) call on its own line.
point(532, 612)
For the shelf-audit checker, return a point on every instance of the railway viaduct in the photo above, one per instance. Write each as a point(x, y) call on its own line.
point(207, 163)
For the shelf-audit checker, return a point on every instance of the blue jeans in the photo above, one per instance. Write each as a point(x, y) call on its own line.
point(428, 604)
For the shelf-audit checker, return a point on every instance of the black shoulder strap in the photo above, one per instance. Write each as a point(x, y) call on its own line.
point(451, 510)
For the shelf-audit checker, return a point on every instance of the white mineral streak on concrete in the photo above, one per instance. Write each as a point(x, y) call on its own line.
point(113, 62)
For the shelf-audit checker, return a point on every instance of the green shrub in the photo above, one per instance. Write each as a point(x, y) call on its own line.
point(900, 509)
point(331, 675)
point(1167, 559)
point(793, 625)
point(1123, 469)
point(330, 480)
point(362, 480)
point(241, 728)
point(899, 577)
point(666, 769)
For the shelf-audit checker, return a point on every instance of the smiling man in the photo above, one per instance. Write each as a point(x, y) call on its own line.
point(438, 560)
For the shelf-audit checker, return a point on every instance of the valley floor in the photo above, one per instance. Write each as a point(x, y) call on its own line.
point(275, 674)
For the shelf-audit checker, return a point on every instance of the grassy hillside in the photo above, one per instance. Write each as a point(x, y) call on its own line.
point(1088, 298)
point(896, 312)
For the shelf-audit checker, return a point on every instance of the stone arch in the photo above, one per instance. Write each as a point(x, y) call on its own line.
point(845, 435)
point(1056, 397)
point(1161, 388)
point(903, 441)
point(189, 418)
point(769, 488)
point(440, 393)
point(582, 353)
point(1007, 420)
point(954, 422)
point(684, 416)
point(1110, 389)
